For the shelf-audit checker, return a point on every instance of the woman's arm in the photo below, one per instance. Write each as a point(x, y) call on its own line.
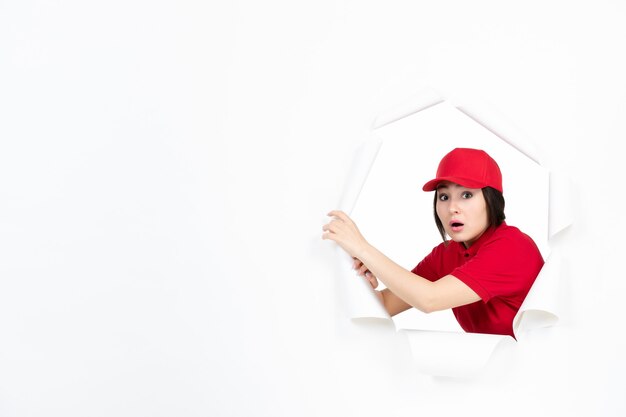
point(393, 304)
point(416, 291)
point(409, 288)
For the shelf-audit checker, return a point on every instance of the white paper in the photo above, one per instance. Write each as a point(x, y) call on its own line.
point(503, 130)
point(356, 292)
point(541, 306)
point(561, 212)
point(422, 101)
point(362, 161)
point(453, 354)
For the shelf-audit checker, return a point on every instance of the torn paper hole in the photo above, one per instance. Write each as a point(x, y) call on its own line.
point(383, 195)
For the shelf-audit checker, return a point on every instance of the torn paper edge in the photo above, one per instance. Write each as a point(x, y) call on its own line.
point(541, 306)
point(533, 313)
point(362, 162)
point(452, 354)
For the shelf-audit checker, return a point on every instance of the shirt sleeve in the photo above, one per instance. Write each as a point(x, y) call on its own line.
point(429, 266)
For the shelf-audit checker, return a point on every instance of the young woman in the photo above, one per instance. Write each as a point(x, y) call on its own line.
point(483, 273)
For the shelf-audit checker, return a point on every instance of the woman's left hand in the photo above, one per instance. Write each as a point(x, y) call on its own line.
point(343, 230)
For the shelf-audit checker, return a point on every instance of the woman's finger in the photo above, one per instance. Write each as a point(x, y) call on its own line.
point(372, 279)
point(335, 224)
point(340, 215)
point(331, 227)
point(337, 213)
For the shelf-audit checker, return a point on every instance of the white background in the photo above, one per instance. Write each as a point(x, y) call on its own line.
point(166, 167)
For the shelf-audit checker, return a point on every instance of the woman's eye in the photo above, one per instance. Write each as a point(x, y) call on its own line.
point(467, 194)
point(443, 197)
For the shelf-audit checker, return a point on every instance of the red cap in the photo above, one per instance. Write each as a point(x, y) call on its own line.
point(472, 168)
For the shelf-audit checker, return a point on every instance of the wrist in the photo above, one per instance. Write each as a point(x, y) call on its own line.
point(364, 252)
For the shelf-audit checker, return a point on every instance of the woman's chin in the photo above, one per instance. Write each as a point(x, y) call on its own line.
point(457, 237)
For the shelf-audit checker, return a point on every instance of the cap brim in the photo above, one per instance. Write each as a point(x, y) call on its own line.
point(433, 184)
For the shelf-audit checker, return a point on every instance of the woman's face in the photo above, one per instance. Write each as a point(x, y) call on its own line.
point(462, 211)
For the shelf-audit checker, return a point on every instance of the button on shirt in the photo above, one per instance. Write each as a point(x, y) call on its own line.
point(500, 267)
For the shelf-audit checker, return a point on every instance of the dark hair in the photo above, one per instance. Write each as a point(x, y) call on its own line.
point(495, 209)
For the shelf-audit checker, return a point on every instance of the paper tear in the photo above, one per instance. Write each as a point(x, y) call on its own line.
point(455, 353)
point(449, 354)
point(418, 103)
point(541, 306)
point(362, 162)
point(502, 130)
point(561, 213)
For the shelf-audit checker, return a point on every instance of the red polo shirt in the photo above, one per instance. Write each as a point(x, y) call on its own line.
point(500, 267)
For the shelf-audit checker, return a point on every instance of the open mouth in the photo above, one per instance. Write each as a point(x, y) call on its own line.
point(456, 226)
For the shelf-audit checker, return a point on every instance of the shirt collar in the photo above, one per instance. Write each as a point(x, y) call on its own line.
point(471, 251)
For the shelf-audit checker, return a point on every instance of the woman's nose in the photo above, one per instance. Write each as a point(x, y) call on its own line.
point(454, 207)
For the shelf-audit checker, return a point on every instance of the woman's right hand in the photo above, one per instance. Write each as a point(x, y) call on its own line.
point(364, 272)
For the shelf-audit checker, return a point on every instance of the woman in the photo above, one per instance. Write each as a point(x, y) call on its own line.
point(484, 272)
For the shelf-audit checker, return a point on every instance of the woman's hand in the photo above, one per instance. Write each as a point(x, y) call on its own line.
point(362, 270)
point(342, 230)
